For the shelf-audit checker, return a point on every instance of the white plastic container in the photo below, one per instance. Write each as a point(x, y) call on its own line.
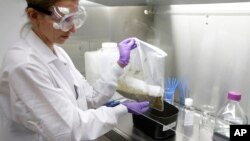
point(97, 62)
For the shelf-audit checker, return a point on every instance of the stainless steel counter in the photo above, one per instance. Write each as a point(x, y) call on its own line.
point(125, 131)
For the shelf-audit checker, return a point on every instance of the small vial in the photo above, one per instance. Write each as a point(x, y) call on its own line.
point(189, 112)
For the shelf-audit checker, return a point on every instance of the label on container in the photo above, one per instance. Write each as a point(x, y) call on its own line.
point(169, 126)
point(189, 118)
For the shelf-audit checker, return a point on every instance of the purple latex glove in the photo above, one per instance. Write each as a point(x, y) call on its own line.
point(125, 47)
point(135, 107)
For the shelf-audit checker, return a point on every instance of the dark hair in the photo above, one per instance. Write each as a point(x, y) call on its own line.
point(42, 3)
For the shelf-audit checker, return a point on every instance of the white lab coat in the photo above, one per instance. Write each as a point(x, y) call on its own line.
point(44, 97)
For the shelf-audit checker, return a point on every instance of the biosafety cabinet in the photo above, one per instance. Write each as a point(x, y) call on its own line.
point(207, 42)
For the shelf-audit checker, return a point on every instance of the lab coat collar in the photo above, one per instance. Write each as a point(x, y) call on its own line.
point(59, 55)
point(47, 55)
point(35, 42)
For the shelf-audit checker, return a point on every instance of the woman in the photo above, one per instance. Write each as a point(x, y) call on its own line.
point(43, 96)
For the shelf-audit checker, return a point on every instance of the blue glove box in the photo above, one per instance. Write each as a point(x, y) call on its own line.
point(158, 124)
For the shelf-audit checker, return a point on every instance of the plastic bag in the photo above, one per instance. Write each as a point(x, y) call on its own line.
point(143, 78)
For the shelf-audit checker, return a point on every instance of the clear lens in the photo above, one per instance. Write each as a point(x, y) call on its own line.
point(66, 20)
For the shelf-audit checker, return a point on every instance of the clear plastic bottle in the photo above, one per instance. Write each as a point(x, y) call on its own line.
point(188, 119)
point(230, 114)
point(189, 112)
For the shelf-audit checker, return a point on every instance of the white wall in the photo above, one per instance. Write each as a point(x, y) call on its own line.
point(12, 18)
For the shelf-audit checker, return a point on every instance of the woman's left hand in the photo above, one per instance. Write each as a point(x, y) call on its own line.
point(125, 47)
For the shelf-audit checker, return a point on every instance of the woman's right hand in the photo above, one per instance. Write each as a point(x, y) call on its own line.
point(135, 107)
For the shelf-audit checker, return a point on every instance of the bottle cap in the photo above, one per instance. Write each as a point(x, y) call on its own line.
point(236, 96)
point(188, 102)
point(109, 45)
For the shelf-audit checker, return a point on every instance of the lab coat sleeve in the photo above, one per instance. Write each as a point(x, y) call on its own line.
point(42, 108)
point(105, 87)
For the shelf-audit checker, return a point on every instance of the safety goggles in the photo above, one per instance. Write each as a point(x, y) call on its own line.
point(64, 18)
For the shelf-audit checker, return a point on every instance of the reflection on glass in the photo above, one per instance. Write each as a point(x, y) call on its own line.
point(206, 124)
point(158, 124)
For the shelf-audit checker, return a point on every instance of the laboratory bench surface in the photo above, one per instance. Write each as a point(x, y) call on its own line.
point(125, 131)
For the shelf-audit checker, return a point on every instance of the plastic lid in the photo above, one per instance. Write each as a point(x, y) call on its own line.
point(236, 96)
point(109, 45)
point(188, 102)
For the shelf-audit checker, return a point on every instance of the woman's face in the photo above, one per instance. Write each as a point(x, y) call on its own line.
point(48, 33)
